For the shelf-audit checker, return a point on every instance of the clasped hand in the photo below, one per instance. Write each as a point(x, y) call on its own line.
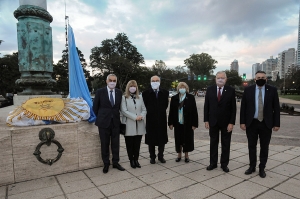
point(138, 118)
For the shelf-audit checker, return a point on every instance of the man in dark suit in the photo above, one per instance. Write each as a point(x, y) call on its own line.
point(260, 112)
point(219, 115)
point(106, 107)
point(156, 101)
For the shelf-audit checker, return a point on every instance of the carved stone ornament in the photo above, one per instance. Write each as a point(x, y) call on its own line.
point(30, 10)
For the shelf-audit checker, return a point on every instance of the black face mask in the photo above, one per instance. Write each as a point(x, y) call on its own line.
point(260, 82)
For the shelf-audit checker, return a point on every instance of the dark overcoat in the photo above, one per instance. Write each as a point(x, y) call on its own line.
point(190, 118)
point(156, 118)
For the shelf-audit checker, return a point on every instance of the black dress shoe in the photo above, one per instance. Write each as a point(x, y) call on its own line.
point(211, 167)
point(262, 173)
point(132, 164)
point(162, 160)
point(250, 170)
point(137, 164)
point(152, 161)
point(118, 166)
point(225, 169)
point(187, 160)
point(105, 168)
point(178, 159)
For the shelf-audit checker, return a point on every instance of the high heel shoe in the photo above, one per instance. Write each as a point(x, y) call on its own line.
point(137, 164)
point(132, 164)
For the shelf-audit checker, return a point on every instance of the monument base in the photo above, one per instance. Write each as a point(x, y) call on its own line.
point(80, 142)
point(19, 99)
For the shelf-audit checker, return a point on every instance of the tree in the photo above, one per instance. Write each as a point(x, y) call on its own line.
point(233, 78)
point(117, 56)
point(61, 72)
point(9, 74)
point(201, 64)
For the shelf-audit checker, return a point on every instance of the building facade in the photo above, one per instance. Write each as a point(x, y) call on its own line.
point(234, 65)
point(285, 58)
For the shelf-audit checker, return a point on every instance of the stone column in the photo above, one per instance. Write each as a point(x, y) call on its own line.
point(34, 47)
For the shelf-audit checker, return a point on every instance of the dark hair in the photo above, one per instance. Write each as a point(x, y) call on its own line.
point(260, 71)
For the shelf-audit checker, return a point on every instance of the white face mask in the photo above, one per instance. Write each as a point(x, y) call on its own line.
point(220, 82)
point(182, 90)
point(155, 85)
point(132, 89)
point(111, 85)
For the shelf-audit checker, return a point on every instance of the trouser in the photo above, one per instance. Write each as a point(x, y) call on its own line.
point(214, 144)
point(260, 129)
point(110, 136)
point(133, 144)
point(160, 154)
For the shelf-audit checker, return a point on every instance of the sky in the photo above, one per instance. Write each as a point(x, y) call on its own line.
point(171, 30)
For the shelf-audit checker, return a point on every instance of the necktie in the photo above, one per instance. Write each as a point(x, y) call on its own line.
point(111, 98)
point(260, 115)
point(156, 93)
point(219, 94)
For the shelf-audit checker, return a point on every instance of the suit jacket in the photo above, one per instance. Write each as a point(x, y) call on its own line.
point(130, 111)
point(223, 112)
point(190, 118)
point(156, 118)
point(271, 106)
point(103, 109)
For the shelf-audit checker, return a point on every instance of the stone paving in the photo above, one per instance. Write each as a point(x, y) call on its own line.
point(172, 179)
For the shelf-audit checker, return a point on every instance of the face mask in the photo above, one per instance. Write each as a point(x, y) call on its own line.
point(111, 85)
point(220, 82)
point(182, 90)
point(132, 89)
point(155, 85)
point(260, 82)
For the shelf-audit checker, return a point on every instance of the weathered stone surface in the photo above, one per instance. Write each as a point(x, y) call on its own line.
point(6, 163)
point(89, 146)
point(24, 142)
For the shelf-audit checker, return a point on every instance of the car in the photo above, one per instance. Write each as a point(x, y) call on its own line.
point(172, 93)
point(200, 94)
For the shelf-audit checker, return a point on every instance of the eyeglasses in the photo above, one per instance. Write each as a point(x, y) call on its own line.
point(112, 80)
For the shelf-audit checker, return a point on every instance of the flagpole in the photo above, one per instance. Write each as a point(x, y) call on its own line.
point(66, 45)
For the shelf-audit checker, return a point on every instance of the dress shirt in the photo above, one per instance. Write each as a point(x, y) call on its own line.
point(256, 99)
point(113, 93)
point(221, 90)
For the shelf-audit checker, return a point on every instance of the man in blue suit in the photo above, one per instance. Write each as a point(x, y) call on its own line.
point(260, 113)
point(106, 107)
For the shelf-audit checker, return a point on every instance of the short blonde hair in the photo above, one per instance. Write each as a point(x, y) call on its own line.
point(180, 84)
point(129, 84)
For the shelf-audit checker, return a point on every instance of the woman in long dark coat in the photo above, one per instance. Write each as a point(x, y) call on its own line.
point(183, 116)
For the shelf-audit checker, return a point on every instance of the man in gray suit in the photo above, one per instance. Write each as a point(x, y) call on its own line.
point(106, 107)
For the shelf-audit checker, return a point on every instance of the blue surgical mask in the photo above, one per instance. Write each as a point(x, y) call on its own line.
point(182, 90)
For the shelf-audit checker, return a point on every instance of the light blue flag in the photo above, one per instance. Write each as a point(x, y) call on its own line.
point(77, 83)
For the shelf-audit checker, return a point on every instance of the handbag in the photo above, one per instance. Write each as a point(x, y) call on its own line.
point(122, 125)
point(122, 129)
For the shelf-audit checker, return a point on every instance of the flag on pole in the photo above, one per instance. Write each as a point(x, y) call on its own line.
point(77, 82)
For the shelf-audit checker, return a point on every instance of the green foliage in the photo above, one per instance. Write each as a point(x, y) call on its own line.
point(61, 73)
point(201, 64)
point(9, 74)
point(233, 78)
point(117, 56)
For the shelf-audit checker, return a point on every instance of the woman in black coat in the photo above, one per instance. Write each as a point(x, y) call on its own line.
point(183, 116)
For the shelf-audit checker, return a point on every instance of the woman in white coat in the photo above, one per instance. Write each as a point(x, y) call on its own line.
point(134, 114)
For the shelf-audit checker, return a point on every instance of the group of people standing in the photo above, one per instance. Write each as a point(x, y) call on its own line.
point(146, 114)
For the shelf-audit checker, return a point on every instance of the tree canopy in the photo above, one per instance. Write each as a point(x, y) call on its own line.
point(201, 64)
point(9, 74)
point(117, 56)
point(233, 78)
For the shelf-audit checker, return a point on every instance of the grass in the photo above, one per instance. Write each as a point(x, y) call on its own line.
point(293, 97)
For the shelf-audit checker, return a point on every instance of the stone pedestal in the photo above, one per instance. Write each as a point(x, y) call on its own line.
point(80, 141)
